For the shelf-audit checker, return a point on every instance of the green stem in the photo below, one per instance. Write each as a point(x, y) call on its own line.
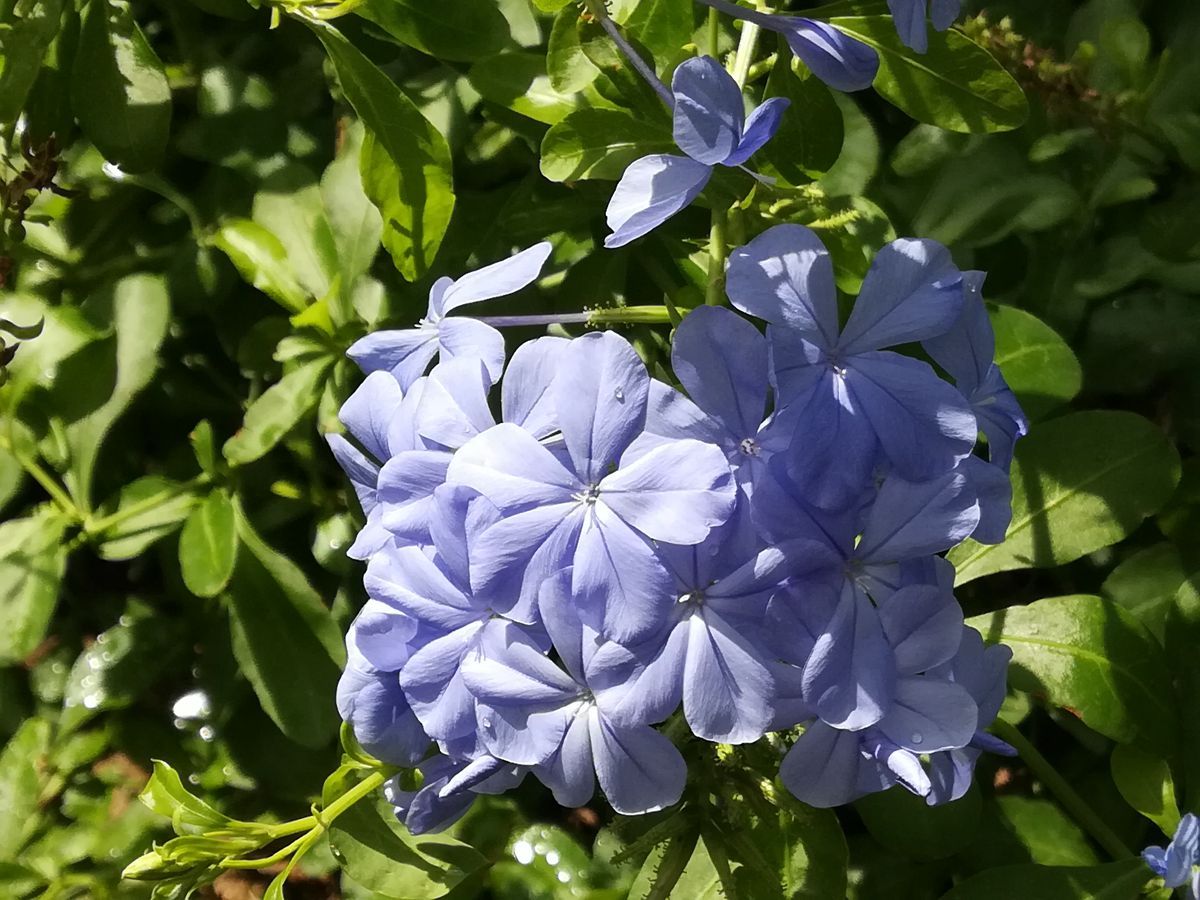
point(101, 525)
point(313, 825)
point(44, 478)
point(630, 315)
point(718, 251)
point(1067, 796)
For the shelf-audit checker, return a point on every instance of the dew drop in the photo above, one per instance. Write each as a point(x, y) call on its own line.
point(917, 738)
point(207, 733)
point(563, 875)
point(552, 857)
point(91, 701)
point(522, 852)
point(619, 394)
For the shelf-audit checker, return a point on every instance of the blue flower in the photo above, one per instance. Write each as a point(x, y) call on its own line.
point(720, 359)
point(369, 696)
point(407, 353)
point(711, 127)
point(556, 720)
point(848, 401)
point(593, 507)
point(839, 60)
point(909, 17)
point(711, 654)
point(447, 790)
point(1174, 863)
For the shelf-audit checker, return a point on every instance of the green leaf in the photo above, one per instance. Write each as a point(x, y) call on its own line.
point(20, 784)
point(1037, 363)
point(290, 206)
point(355, 222)
point(1147, 584)
point(132, 535)
point(956, 84)
point(1046, 835)
point(262, 261)
point(29, 29)
point(378, 852)
point(165, 794)
point(600, 143)
point(208, 545)
point(96, 385)
point(567, 66)
point(662, 26)
point(1116, 881)
point(122, 662)
point(677, 869)
point(809, 139)
point(518, 81)
point(32, 561)
point(119, 88)
point(463, 30)
point(1080, 482)
point(1145, 782)
point(904, 822)
point(284, 640)
point(276, 412)
point(1093, 659)
point(405, 160)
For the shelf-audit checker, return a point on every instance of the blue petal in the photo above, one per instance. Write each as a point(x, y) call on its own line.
point(471, 339)
point(709, 110)
point(382, 721)
point(760, 128)
point(496, 280)
point(823, 768)
point(839, 60)
point(406, 353)
point(923, 424)
point(785, 276)
point(721, 361)
point(639, 770)
point(652, 190)
point(433, 683)
point(930, 715)
point(945, 12)
point(924, 626)
point(570, 772)
point(728, 691)
point(993, 490)
point(850, 675)
point(912, 292)
point(967, 348)
point(368, 412)
point(526, 396)
point(600, 394)
point(454, 407)
point(913, 519)
point(909, 18)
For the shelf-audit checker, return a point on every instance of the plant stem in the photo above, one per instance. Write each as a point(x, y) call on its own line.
point(99, 526)
point(313, 825)
point(44, 478)
point(1067, 796)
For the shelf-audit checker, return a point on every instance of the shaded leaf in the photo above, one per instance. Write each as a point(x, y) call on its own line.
point(208, 545)
point(600, 143)
point(1080, 482)
point(273, 414)
point(1092, 658)
point(132, 535)
point(1115, 881)
point(32, 561)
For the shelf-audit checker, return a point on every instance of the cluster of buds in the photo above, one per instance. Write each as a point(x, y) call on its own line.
point(41, 165)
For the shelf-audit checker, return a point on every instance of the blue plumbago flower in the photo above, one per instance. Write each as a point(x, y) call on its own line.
point(849, 400)
point(434, 592)
point(593, 508)
point(712, 654)
point(369, 696)
point(909, 16)
point(839, 60)
point(982, 671)
point(762, 549)
point(967, 353)
point(368, 415)
point(1174, 863)
point(533, 713)
point(720, 359)
point(407, 353)
point(712, 128)
point(448, 788)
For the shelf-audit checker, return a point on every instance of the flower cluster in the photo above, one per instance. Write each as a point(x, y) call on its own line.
point(552, 576)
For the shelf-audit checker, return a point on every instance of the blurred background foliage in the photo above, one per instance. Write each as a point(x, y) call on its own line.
point(183, 207)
